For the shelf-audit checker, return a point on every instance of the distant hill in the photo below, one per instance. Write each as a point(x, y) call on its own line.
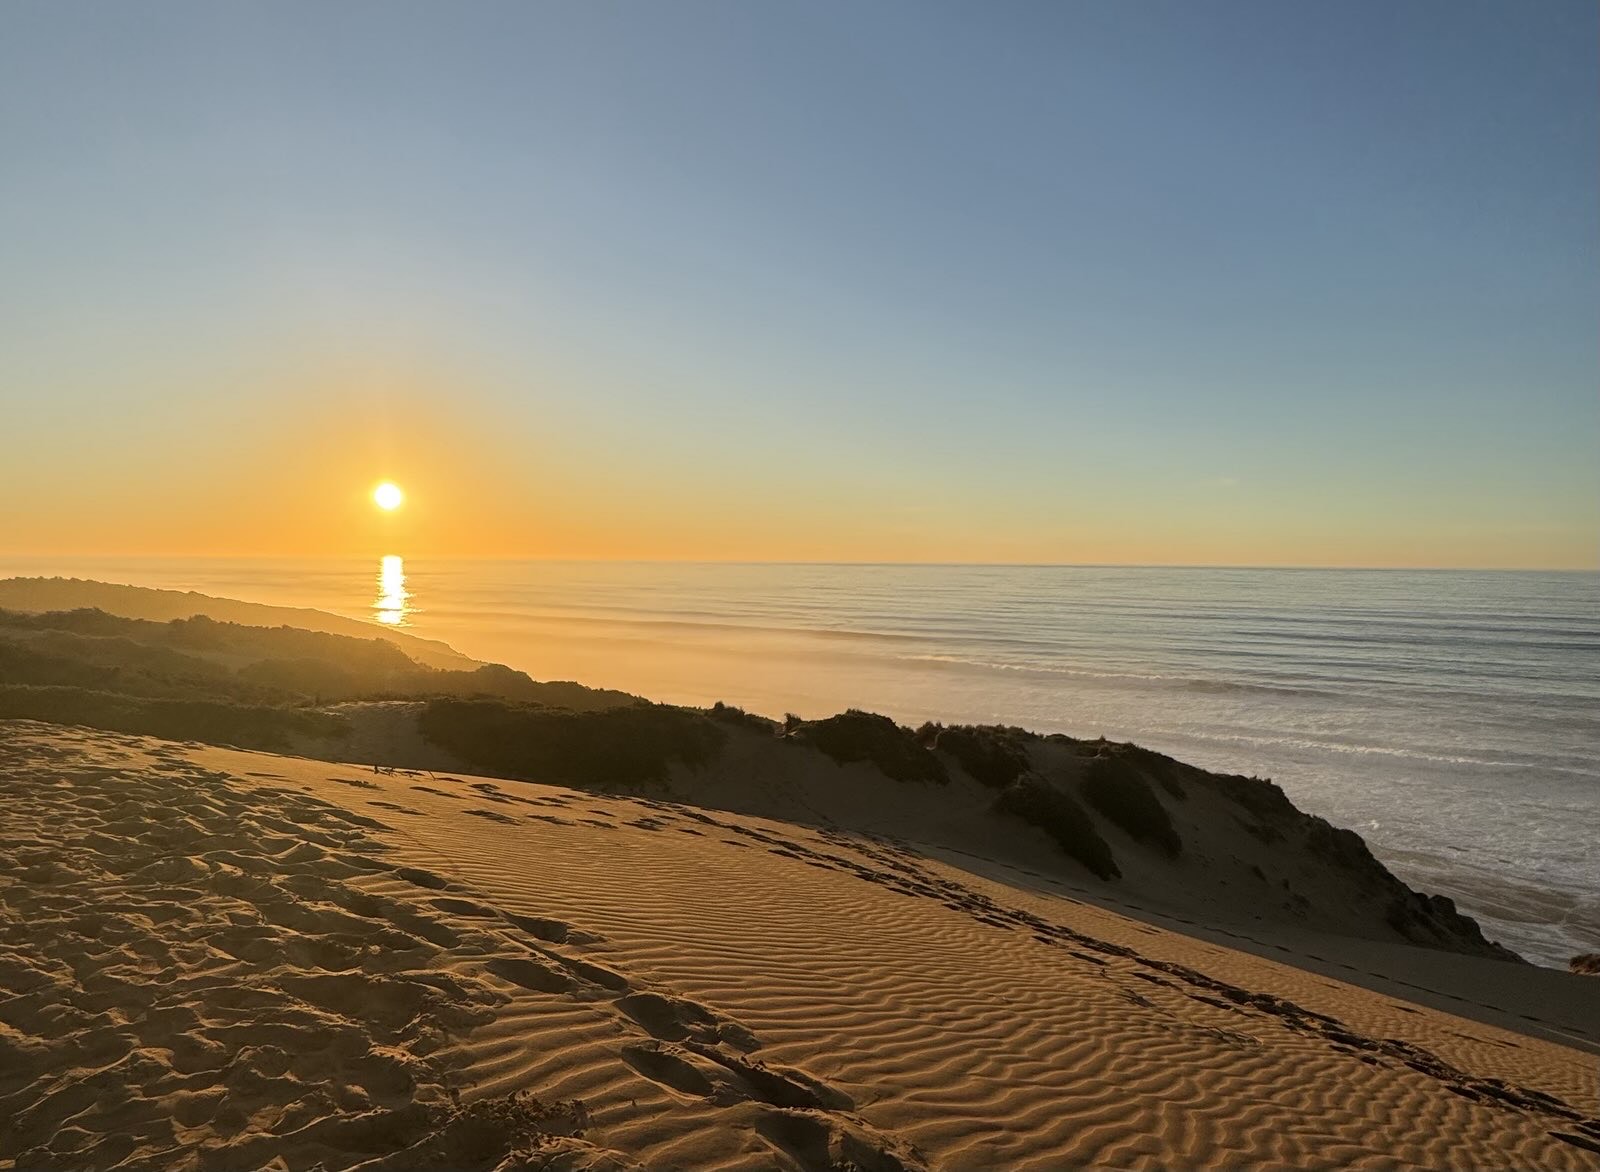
point(142, 602)
point(233, 683)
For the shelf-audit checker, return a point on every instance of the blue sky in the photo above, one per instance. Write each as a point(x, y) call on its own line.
point(1191, 282)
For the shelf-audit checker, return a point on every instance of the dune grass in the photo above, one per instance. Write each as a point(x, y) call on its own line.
point(247, 726)
point(854, 735)
point(622, 746)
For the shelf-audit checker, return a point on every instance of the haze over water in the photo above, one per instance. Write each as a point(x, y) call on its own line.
point(1448, 716)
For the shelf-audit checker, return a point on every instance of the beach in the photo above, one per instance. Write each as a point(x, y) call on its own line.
point(221, 959)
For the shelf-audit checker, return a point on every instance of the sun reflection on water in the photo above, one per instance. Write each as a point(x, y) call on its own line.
point(393, 604)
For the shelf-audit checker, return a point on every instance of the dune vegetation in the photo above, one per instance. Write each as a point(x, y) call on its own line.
point(1112, 812)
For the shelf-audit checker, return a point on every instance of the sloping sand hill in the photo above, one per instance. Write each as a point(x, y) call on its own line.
point(212, 959)
point(1201, 847)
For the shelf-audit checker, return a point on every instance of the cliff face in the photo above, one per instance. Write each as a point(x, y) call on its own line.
point(1175, 826)
point(1303, 868)
point(1237, 842)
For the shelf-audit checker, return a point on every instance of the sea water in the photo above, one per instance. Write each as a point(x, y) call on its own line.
point(1452, 718)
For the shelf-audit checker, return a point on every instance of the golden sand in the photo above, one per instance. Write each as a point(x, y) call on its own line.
point(213, 959)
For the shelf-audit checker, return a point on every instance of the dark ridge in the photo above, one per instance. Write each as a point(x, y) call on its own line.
point(1262, 799)
point(739, 718)
point(245, 726)
point(1040, 804)
point(1119, 791)
point(1433, 920)
point(1166, 772)
point(627, 746)
point(143, 602)
point(992, 755)
point(1430, 920)
point(112, 664)
point(201, 658)
point(320, 678)
point(1266, 813)
point(1337, 846)
point(854, 735)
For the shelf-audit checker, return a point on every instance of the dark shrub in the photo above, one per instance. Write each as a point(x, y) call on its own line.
point(1586, 963)
point(1403, 916)
point(115, 664)
point(317, 678)
point(1163, 770)
point(1341, 847)
point(1120, 792)
point(374, 657)
point(499, 681)
point(1259, 796)
point(245, 725)
point(1040, 804)
point(610, 747)
point(83, 621)
point(192, 657)
point(21, 664)
point(865, 736)
point(250, 726)
point(1433, 921)
point(992, 756)
point(728, 714)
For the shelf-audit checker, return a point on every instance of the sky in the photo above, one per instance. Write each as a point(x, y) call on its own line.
point(1083, 281)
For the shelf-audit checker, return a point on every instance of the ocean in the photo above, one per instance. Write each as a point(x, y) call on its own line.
point(1451, 718)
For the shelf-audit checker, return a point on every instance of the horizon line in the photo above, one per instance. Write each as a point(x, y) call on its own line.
point(816, 562)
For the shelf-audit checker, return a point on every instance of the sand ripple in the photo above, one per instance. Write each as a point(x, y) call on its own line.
point(217, 960)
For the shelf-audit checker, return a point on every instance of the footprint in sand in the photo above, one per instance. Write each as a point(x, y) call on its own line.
point(243, 986)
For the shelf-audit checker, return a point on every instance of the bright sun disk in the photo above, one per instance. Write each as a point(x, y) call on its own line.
point(388, 496)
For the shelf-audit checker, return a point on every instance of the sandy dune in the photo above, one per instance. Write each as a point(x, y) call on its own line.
point(213, 959)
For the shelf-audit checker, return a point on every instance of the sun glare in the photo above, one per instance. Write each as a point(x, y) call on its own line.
point(393, 602)
point(388, 496)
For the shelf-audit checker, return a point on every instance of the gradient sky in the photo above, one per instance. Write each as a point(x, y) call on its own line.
point(1241, 283)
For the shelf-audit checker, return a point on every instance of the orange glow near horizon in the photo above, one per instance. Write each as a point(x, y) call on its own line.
point(298, 469)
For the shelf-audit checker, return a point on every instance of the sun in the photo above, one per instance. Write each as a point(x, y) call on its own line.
point(388, 496)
